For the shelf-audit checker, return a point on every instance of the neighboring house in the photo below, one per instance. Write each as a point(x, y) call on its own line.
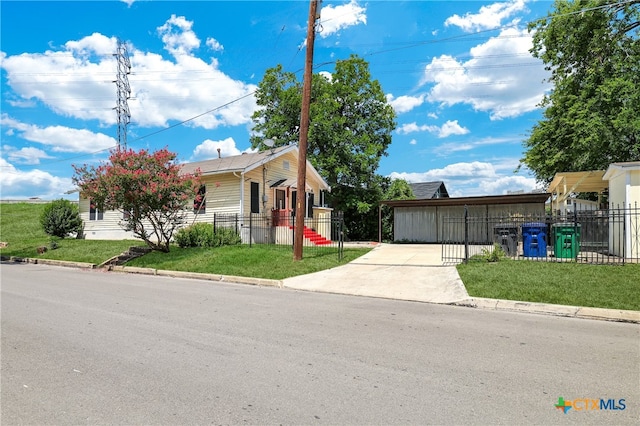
point(262, 184)
point(429, 190)
point(624, 199)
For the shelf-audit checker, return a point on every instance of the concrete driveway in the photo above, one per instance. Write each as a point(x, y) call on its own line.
point(394, 271)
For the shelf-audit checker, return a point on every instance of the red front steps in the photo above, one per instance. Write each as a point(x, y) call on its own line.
point(314, 237)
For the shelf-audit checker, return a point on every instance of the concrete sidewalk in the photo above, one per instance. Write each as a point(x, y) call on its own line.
point(394, 271)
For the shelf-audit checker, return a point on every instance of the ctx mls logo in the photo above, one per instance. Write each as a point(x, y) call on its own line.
point(590, 404)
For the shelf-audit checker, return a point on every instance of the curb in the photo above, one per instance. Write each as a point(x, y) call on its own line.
point(602, 314)
point(53, 262)
point(200, 276)
point(262, 282)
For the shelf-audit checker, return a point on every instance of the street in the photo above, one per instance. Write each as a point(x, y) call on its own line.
point(91, 347)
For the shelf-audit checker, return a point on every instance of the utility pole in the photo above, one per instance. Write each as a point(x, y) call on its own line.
point(301, 202)
point(124, 93)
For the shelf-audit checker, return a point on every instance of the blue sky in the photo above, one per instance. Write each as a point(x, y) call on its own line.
point(458, 73)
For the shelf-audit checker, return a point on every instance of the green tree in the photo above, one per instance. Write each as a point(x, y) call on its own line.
point(397, 189)
point(350, 131)
point(592, 115)
point(147, 188)
point(61, 218)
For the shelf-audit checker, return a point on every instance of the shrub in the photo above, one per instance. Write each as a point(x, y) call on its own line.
point(204, 235)
point(61, 218)
point(226, 237)
point(494, 255)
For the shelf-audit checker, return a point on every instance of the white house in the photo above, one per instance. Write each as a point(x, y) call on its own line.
point(624, 199)
point(262, 184)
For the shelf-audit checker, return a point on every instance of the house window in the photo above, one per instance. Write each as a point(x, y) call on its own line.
point(285, 165)
point(126, 215)
point(255, 197)
point(200, 202)
point(94, 213)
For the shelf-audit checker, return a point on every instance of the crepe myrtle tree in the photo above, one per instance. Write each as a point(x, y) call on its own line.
point(147, 188)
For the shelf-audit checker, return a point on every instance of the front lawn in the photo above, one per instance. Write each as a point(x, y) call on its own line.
point(602, 286)
point(257, 261)
point(20, 228)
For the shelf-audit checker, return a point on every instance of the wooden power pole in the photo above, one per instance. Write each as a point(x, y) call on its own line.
point(301, 199)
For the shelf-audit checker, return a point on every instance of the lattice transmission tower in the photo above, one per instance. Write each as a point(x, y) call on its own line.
point(124, 93)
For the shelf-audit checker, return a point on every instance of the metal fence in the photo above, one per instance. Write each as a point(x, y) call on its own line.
point(322, 234)
point(603, 236)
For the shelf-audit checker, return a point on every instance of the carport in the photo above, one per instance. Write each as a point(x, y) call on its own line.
point(566, 183)
point(422, 220)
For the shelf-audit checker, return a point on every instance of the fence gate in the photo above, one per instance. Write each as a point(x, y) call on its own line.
point(453, 241)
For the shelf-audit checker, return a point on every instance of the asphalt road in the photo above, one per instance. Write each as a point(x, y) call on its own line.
point(87, 347)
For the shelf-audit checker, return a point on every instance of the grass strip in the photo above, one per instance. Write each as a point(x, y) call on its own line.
point(257, 261)
point(601, 286)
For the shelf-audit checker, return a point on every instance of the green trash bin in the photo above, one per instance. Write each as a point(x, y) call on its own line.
point(566, 238)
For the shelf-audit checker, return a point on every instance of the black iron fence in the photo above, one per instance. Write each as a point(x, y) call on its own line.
point(603, 236)
point(322, 234)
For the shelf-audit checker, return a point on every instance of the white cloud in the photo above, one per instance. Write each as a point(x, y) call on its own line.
point(15, 183)
point(128, 2)
point(473, 179)
point(162, 90)
point(335, 18)
point(413, 142)
point(474, 169)
point(25, 155)
point(178, 37)
point(489, 16)
point(447, 129)
point(407, 128)
point(405, 103)
point(60, 138)
point(327, 75)
point(451, 128)
point(501, 77)
point(452, 147)
point(209, 149)
point(214, 44)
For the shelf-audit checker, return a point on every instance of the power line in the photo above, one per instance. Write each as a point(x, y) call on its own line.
point(463, 37)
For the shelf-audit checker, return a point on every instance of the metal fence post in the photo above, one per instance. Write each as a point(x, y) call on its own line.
point(466, 234)
point(250, 228)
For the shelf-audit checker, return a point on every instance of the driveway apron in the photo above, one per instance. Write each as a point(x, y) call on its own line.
point(395, 271)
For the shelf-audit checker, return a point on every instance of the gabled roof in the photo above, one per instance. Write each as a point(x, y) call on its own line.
point(429, 190)
point(246, 162)
point(617, 168)
point(236, 163)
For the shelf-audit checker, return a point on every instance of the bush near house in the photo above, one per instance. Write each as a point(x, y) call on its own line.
point(61, 218)
point(204, 235)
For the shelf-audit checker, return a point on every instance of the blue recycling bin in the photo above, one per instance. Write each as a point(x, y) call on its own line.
point(534, 239)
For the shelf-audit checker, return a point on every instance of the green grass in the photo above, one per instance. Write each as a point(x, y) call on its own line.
point(602, 286)
point(258, 261)
point(20, 228)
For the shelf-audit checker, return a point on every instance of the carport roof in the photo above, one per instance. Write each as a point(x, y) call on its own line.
point(568, 182)
point(530, 198)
